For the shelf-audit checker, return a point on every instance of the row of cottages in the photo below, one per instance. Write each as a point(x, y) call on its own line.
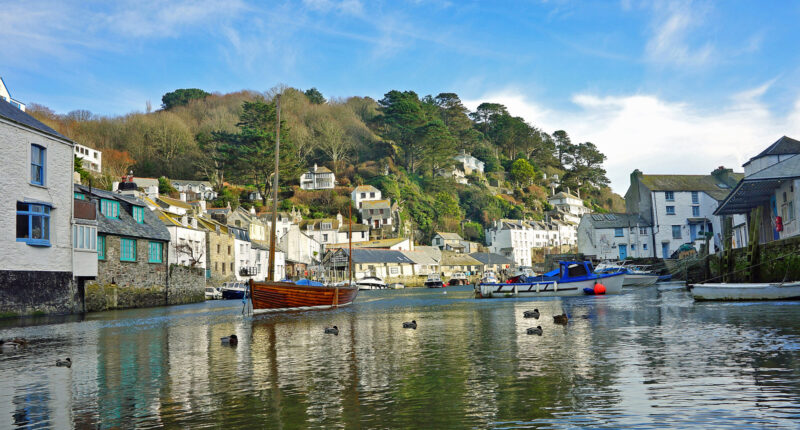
point(330, 231)
point(615, 236)
point(516, 238)
point(454, 242)
point(317, 178)
point(771, 180)
point(194, 190)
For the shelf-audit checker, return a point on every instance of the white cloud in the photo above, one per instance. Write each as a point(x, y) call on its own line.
point(670, 44)
point(655, 136)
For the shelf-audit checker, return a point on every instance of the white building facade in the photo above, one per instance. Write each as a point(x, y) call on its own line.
point(614, 236)
point(91, 159)
point(317, 178)
point(512, 239)
point(470, 163)
point(363, 193)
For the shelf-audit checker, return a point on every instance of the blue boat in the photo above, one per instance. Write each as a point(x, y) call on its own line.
point(572, 278)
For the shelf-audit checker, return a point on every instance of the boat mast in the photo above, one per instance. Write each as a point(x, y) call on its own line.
point(271, 271)
point(350, 244)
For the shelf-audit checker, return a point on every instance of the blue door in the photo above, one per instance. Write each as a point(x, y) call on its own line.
point(665, 250)
point(693, 231)
point(623, 252)
point(774, 204)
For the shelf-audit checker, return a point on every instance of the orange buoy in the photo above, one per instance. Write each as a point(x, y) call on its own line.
point(599, 288)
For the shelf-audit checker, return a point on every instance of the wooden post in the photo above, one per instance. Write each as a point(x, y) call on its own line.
point(753, 254)
point(726, 263)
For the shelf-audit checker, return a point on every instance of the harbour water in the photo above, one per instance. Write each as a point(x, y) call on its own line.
point(648, 358)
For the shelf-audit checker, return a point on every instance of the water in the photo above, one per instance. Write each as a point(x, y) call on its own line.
point(648, 358)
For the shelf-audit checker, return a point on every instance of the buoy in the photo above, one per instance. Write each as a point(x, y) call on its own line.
point(599, 288)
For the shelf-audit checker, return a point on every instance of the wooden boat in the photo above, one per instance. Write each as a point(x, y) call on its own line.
point(271, 295)
point(746, 291)
point(570, 279)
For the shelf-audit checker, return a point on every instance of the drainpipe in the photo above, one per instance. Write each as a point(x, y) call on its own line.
point(655, 222)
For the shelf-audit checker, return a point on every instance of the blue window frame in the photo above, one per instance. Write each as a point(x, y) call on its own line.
point(644, 246)
point(695, 198)
point(138, 214)
point(155, 252)
point(38, 161)
point(101, 247)
point(79, 196)
point(618, 232)
point(695, 210)
point(109, 208)
point(33, 224)
point(676, 232)
point(633, 247)
point(669, 196)
point(670, 210)
point(127, 249)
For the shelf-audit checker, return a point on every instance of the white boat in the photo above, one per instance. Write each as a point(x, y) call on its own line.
point(570, 279)
point(489, 277)
point(458, 278)
point(745, 291)
point(396, 286)
point(213, 293)
point(635, 276)
point(434, 281)
point(371, 283)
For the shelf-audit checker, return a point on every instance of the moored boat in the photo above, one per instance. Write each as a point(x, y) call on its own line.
point(371, 283)
point(233, 290)
point(434, 281)
point(570, 279)
point(746, 291)
point(458, 278)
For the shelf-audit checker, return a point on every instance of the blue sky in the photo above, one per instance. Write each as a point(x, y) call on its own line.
point(666, 87)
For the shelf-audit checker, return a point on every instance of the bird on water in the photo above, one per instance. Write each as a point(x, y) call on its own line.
point(332, 330)
point(412, 324)
point(538, 330)
point(231, 340)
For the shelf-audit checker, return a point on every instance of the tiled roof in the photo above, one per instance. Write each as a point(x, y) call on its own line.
point(377, 256)
point(449, 236)
point(434, 252)
point(366, 188)
point(490, 258)
point(705, 183)
point(376, 204)
point(175, 202)
point(11, 113)
point(456, 259)
point(151, 228)
point(419, 257)
point(316, 224)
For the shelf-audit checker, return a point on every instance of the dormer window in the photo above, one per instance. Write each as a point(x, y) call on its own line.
point(109, 208)
point(138, 214)
point(326, 226)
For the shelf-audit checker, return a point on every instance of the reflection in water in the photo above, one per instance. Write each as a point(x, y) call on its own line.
point(648, 358)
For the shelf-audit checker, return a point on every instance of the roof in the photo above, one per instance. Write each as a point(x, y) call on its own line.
point(320, 170)
point(367, 188)
point(174, 202)
point(421, 258)
point(490, 258)
point(432, 251)
point(449, 236)
point(11, 113)
point(151, 228)
point(456, 259)
point(563, 195)
point(705, 183)
point(381, 243)
point(376, 204)
point(784, 145)
point(316, 224)
point(211, 225)
point(344, 228)
point(378, 256)
point(615, 220)
point(145, 182)
point(188, 182)
point(757, 188)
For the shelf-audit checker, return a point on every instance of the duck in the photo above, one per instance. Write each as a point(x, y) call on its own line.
point(531, 314)
point(412, 324)
point(561, 319)
point(332, 330)
point(64, 363)
point(538, 330)
point(231, 340)
point(10, 344)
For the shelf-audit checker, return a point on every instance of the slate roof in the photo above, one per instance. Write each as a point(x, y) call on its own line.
point(490, 258)
point(615, 220)
point(378, 256)
point(376, 204)
point(152, 228)
point(380, 243)
point(366, 188)
point(11, 113)
point(456, 259)
point(449, 236)
point(705, 183)
point(174, 202)
point(757, 188)
point(432, 251)
point(420, 258)
point(784, 145)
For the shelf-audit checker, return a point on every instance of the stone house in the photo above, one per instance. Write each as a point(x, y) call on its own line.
point(448, 241)
point(219, 251)
point(36, 267)
point(376, 213)
point(317, 178)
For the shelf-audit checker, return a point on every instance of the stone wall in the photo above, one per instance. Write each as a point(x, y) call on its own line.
point(779, 260)
point(29, 292)
point(186, 285)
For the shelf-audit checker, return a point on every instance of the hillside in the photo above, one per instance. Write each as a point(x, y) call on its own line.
point(398, 144)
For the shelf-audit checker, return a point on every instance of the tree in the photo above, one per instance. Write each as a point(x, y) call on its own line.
point(401, 116)
point(522, 172)
point(564, 147)
point(181, 97)
point(165, 186)
point(333, 143)
point(485, 113)
point(314, 96)
point(80, 170)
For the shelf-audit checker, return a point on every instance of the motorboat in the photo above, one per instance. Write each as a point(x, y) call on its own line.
point(396, 286)
point(489, 277)
point(234, 290)
point(371, 283)
point(572, 278)
point(635, 276)
point(746, 291)
point(434, 281)
point(521, 274)
point(213, 293)
point(458, 278)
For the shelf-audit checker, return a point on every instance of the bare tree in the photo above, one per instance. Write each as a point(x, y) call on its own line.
point(333, 142)
point(194, 255)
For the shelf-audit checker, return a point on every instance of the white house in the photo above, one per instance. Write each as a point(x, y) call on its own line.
point(569, 205)
point(470, 163)
point(376, 213)
point(680, 207)
point(455, 173)
point(202, 189)
point(91, 159)
point(317, 178)
point(187, 242)
point(771, 181)
point(36, 246)
point(513, 239)
point(6, 97)
point(363, 193)
point(615, 236)
point(446, 241)
point(299, 247)
point(242, 256)
point(259, 256)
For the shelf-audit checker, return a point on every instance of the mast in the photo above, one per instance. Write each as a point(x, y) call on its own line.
point(271, 272)
point(350, 244)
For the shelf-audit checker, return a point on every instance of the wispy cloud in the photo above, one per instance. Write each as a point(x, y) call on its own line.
point(670, 42)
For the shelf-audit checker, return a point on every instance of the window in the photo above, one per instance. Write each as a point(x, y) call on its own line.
point(363, 195)
point(642, 230)
point(324, 237)
point(218, 248)
point(669, 196)
point(394, 270)
point(618, 232)
point(223, 268)
point(231, 267)
point(33, 224)
point(371, 195)
point(79, 196)
point(633, 247)
point(138, 214)
point(216, 266)
point(676, 232)
point(229, 247)
point(109, 208)
point(695, 198)
point(695, 210)
point(326, 226)
point(84, 237)
point(101, 247)
point(644, 246)
point(38, 159)
point(670, 210)
point(127, 249)
point(154, 253)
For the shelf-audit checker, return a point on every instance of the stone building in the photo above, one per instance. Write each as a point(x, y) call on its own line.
point(219, 251)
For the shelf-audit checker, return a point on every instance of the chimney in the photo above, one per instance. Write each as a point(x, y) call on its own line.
point(184, 220)
point(194, 223)
point(315, 167)
point(202, 206)
point(183, 196)
point(252, 210)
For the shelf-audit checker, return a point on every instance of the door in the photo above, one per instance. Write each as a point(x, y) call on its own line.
point(665, 250)
point(693, 231)
point(623, 252)
point(773, 202)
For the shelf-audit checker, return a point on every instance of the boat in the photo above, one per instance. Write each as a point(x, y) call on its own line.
point(276, 296)
point(521, 274)
point(665, 278)
point(489, 277)
point(746, 291)
point(458, 278)
point(371, 283)
point(572, 278)
point(233, 290)
point(434, 281)
point(635, 276)
point(396, 286)
point(213, 293)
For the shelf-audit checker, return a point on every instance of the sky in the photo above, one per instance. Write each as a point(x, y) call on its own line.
point(668, 87)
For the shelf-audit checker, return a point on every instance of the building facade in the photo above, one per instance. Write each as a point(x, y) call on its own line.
point(91, 159)
point(469, 163)
point(615, 236)
point(317, 178)
point(363, 193)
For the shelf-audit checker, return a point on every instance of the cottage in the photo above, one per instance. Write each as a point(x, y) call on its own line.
point(317, 178)
point(376, 213)
point(203, 190)
point(469, 163)
point(219, 251)
point(187, 246)
point(301, 252)
point(91, 159)
point(615, 236)
point(382, 263)
point(570, 207)
point(448, 241)
point(36, 249)
point(515, 238)
point(364, 193)
point(453, 262)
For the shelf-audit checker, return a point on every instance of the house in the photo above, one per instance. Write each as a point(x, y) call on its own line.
point(569, 205)
point(6, 97)
point(317, 178)
point(423, 262)
point(680, 208)
point(453, 172)
point(259, 255)
point(515, 238)
point(470, 247)
point(285, 221)
point(493, 262)
point(469, 163)
point(187, 244)
point(448, 241)
point(376, 213)
point(243, 263)
point(453, 262)
point(91, 159)
point(301, 252)
point(383, 263)
point(615, 236)
point(246, 219)
point(84, 242)
point(148, 186)
point(324, 231)
point(771, 181)
point(360, 233)
point(36, 250)
point(395, 244)
point(219, 251)
point(363, 193)
point(174, 206)
point(203, 190)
